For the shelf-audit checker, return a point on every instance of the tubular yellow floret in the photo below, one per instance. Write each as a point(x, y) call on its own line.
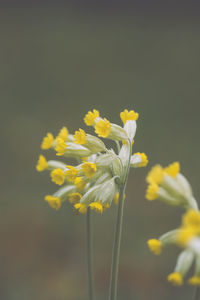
point(58, 176)
point(60, 147)
point(41, 164)
point(192, 218)
point(80, 137)
point(152, 191)
point(54, 202)
point(175, 278)
point(144, 160)
point(79, 183)
point(71, 173)
point(75, 197)
point(47, 141)
point(96, 206)
point(103, 128)
point(173, 169)
point(81, 208)
point(155, 175)
point(90, 117)
point(63, 134)
point(128, 115)
point(89, 169)
point(194, 281)
point(155, 246)
point(184, 235)
point(190, 228)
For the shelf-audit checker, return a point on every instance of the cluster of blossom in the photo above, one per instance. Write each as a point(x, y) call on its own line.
point(94, 182)
point(170, 186)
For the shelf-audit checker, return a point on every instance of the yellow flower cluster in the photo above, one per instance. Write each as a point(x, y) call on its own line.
point(170, 186)
point(93, 181)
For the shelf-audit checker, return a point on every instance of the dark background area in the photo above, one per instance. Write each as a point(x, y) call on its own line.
point(57, 61)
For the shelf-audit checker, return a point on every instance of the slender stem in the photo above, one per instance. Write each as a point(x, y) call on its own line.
point(197, 294)
point(116, 247)
point(89, 256)
point(118, 232)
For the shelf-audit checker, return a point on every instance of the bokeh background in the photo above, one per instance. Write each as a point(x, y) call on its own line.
point(57, 61)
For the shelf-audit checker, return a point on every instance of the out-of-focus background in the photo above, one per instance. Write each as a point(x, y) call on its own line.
point(57, 62)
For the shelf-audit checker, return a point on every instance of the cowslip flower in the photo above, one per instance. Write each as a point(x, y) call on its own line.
point(101, 170)
point(99, 175)
point(103, 127)
point(94, 181)
point(168, 185)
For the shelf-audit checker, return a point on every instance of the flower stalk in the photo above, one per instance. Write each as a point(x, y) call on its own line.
point(89, 256)
point(118, 233)
point(116, 247)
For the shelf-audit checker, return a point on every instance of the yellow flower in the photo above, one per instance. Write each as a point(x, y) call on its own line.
point(47, 141)
point(63, 134)
point(173, 169)
point(144, 160)
point(155, 246)
point(71, 173)
point(152, 191)
point(41, 164)
point(175, 278)
point(195, 280)
point(155, 175)
point(96, 206)
point(80, 137)
point(89, 169)
point(189, 229)
point(75, 197)
point(81, 208)
point(54, 202)
point(79, 183)
point(90, 117)
point(103, 128)
point(60, 147)
point(58, 176)
point(184, 235)
point(128, 115)
point(192, 218)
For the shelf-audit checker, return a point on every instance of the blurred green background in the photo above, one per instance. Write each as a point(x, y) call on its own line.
point(58, 62)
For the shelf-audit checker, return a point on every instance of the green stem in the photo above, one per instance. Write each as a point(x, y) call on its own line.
point(197, 294)
point(118, 232)
point(116, 247)
point(89, 256)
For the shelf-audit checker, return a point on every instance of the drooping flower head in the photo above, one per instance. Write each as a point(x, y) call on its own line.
point(94, 181)
point(171, 187)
